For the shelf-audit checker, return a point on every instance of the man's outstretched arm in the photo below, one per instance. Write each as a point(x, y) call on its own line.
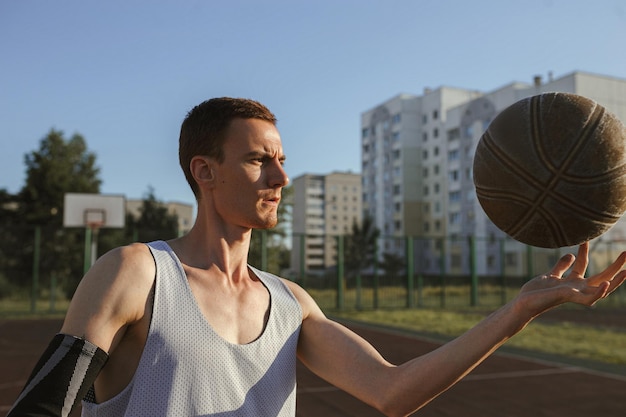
point(352, 364)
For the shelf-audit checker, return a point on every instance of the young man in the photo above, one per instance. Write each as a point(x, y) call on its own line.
point(188, 328)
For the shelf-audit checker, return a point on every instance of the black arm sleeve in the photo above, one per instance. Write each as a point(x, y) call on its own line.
point(61, 378)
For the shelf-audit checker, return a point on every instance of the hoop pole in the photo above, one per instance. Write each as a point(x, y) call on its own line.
point(94, 245)
point(87, 258)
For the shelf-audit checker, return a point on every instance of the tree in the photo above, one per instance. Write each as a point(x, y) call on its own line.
point(57, 167)
point(361, 246)
point(11, 243)
point(154, 222)
point(392, 264)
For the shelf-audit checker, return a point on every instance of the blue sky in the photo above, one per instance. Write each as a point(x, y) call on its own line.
point(124, 73)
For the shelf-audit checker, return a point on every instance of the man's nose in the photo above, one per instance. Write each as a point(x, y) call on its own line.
point(278, 176)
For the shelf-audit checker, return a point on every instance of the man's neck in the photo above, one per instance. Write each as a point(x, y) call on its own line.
point(206, 247)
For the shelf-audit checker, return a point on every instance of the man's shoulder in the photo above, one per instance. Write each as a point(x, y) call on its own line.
point(130, 264)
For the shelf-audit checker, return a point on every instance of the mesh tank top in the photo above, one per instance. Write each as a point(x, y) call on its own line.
point(187, 369)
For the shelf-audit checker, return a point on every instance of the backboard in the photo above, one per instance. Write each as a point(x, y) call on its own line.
point(94, 210)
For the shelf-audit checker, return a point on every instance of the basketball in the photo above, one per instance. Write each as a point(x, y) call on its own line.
point(550, 170)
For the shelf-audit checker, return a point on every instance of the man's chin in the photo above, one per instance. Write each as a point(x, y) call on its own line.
point(267, 224)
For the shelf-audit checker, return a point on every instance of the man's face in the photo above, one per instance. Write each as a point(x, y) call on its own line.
point(248, 183)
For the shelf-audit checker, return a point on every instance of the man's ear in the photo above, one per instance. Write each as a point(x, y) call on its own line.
point(202, 170)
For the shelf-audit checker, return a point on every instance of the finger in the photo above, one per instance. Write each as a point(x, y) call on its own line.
point(615, 283)
point(582, 260)
point(562, 265)
point(611, 271)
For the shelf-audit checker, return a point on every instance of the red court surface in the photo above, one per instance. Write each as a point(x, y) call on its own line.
point(504, 385)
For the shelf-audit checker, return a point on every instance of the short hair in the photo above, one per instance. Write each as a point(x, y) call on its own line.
point(203, 132)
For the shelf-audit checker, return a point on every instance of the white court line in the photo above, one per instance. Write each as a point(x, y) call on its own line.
point(313, 390)
point(520, 374)
point(580, 369)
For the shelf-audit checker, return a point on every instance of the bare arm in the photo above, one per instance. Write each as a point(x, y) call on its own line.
point(352, 364)
point(112, 297)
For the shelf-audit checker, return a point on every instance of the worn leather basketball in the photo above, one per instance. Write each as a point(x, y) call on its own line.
point(550, 171)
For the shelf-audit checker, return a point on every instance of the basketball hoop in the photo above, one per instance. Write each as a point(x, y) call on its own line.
point(93, 212)
point(94, 219)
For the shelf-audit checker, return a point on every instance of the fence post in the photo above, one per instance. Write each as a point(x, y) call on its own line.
point(87, 260)
point(502, 272)
point(473, 275)
point(36, 256)
point(442, 268)
point(410, 272)
point(376, 283)
point(529, 262)
point(359, 290)
point(302, 260)
point(53, 291)
point(420, 275)
point(340, 273)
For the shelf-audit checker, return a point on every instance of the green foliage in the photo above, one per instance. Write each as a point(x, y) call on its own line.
point(361, 246)
point(154, 222)
point(59, 166)
point(392, 264)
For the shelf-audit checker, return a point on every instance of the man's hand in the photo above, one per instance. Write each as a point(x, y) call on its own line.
point(554, 288)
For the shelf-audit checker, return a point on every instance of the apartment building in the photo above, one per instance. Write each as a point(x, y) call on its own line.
point(324, 206)
point(417, 157)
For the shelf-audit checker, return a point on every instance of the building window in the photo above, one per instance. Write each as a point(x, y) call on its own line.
point(365, 132)
point(424, 136)
point(511, 259)
point(435, 114)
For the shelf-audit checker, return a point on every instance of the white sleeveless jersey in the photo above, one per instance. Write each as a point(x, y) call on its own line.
point(187, 369)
